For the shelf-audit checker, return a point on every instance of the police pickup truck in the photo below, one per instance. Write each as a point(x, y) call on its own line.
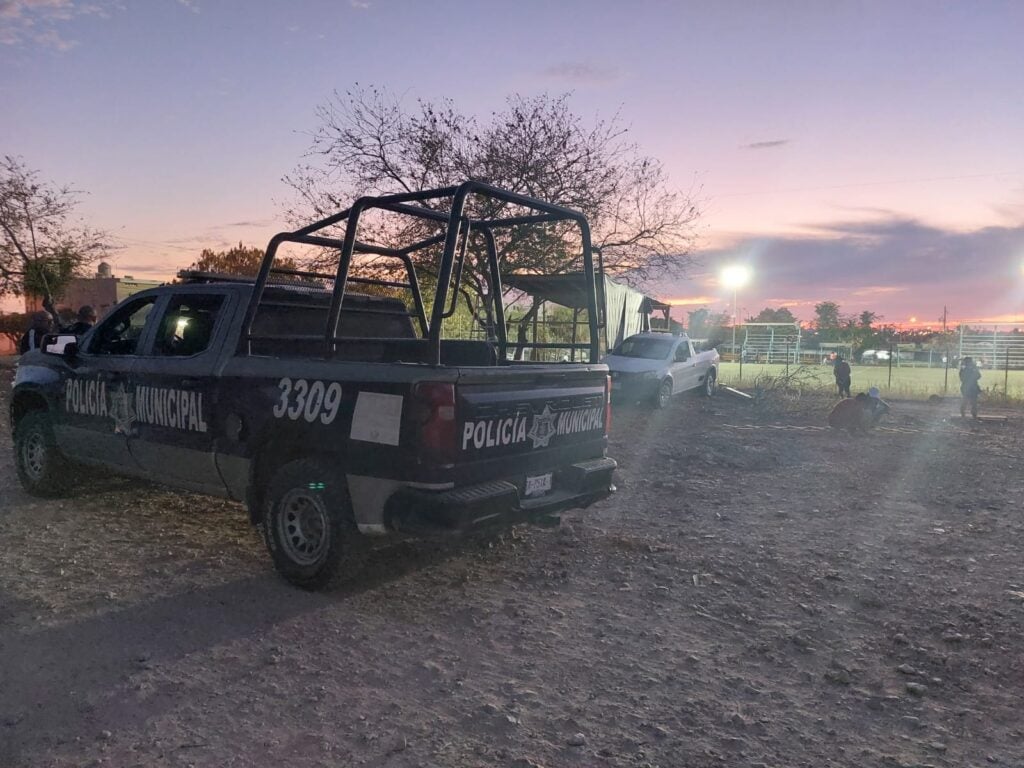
point(335, 413)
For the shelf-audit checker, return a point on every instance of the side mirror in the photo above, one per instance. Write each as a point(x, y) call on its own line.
point(63, 344)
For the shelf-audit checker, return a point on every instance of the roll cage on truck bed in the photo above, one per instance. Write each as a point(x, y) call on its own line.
point(458, 228)
point(334, 413)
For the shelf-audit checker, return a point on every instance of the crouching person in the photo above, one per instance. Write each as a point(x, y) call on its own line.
point(857, 414)
point(878, 407)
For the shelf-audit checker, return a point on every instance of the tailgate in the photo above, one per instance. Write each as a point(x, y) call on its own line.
point(516, 420)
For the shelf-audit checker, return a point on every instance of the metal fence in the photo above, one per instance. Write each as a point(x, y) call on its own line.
point(766, 343)
point(903, 369)
point(995, 346)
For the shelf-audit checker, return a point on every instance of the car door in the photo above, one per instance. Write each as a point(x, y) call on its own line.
point(683, 374)
point(175, 390)
point(97, 400)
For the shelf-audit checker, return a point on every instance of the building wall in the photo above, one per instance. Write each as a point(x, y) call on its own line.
point(101, 293)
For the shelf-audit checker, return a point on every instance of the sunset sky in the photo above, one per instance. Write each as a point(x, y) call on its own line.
point(868, 153)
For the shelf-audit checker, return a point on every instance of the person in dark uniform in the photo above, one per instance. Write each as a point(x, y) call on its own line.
point(841, 370)
point(40, 324)
point(86, 320)
point(970, 387)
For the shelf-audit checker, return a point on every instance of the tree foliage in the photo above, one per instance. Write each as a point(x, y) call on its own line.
point(704, 324)
point(769, 315)
point(867, 318)
point(827, 320)
point(13, 325)
point(368, 143)
point(237, 260)
point(43, 245)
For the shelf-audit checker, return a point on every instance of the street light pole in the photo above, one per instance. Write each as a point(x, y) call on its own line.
point(735, 276)
point(735, 291)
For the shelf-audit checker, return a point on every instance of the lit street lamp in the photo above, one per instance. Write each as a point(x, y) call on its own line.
point(735, 276)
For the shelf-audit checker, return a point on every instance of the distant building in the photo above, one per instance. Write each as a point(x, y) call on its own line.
point(101, 292)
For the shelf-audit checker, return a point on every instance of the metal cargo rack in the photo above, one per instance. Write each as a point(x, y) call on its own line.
point(445, 208)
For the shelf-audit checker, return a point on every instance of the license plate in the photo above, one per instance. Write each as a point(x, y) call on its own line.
point(538, 484)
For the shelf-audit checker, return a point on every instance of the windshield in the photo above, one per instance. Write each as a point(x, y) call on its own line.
point(648, 349)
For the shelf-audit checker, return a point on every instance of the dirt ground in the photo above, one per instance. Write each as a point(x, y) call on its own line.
point(760, 592)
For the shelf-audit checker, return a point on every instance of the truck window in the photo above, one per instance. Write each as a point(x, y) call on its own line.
point(187, 325)
point(682, 352)
point(119, 334)
point(286, 315)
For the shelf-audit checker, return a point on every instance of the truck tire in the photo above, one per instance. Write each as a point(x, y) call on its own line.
point(664, 395)
point(42, 468)
point(709, 384)
point(308, 525)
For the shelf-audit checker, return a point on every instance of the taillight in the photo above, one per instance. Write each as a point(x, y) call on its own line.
point(437, 431)
point(607, 404)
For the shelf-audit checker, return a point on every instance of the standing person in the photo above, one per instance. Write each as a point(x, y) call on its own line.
point(40, 324)
point(970, 387)
point(86, 320)
point(841, 370)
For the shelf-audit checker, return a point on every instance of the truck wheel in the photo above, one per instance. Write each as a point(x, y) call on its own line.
point(42, 468)
point(308, 524)
point(661, 400)
point(709, 384)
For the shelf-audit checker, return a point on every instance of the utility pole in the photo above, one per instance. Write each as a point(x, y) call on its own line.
point(945, 342)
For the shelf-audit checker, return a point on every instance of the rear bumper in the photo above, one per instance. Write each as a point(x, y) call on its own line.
point(499, 501)
point(632, 389)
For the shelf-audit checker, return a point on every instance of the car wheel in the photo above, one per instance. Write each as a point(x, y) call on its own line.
point(709, 384)
point(308, 525)
point(661, 400)
point(42, 468)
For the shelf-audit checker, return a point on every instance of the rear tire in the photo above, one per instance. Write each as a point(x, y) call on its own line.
point(709, 384)
point(664, 395)
point(42, 469)
point(308, 525)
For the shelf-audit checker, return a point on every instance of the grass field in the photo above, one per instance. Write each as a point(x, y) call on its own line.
point(906, 382)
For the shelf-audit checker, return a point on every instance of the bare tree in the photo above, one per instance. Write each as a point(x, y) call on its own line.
point(42, 248)
point(369, 143)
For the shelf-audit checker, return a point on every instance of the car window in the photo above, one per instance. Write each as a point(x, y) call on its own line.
point(682, 352)
point(186, 327)
point(648, 349)
point(119, 334)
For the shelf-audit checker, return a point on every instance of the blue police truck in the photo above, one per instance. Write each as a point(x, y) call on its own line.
point(363, 382)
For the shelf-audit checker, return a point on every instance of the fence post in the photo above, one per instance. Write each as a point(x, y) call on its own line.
point(741, 366)
point(890, 367)
point(787, 356)
point(1006, 374)
point(945, 374)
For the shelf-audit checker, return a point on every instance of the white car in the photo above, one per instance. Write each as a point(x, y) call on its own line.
point(655, 366)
